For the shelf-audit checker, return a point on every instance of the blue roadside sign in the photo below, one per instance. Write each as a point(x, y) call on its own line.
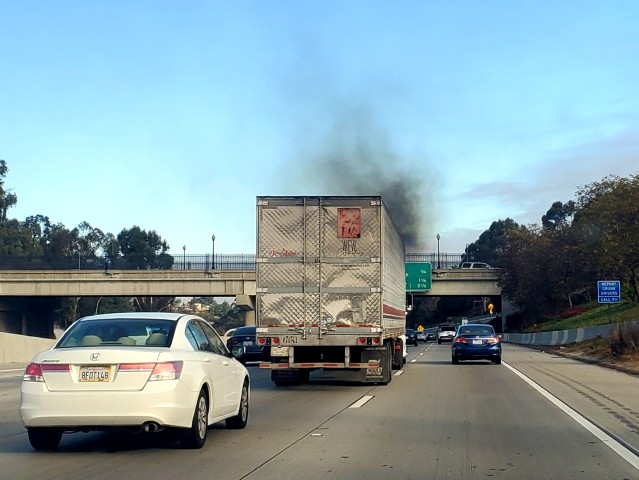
point(608, 291)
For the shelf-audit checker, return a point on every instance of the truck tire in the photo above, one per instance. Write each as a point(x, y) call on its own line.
point(398, 355)
point(285, 378)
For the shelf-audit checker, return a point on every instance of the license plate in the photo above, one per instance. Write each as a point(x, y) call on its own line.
point(477, 342)
point(95, 374)
point(248, 343)
point(279, 351)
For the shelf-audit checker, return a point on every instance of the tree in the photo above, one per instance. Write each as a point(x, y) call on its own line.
point(492, 243)
point(144, 250)
point(558, 214)
point(608, 221)
point(7, 200)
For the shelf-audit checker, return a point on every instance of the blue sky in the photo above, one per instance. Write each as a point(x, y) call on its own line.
point(174, 116)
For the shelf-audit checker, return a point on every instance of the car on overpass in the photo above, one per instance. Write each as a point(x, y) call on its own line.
point(474, 265)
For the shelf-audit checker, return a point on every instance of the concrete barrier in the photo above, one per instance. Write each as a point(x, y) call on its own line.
point(21, 348)
point(563, 337)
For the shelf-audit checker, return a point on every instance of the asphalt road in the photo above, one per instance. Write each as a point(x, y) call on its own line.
point(434, 421)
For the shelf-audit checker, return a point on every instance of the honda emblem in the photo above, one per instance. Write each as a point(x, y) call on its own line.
point(95, 357)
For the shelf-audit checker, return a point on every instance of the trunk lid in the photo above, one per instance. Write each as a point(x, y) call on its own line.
point(98, 369)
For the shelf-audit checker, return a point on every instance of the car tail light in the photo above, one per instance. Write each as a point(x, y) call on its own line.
point(493, 340)
point(166, 371)
point(33, 373)
point(136, 367)
point(461, 340)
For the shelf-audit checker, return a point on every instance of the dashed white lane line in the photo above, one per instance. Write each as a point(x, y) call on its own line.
point(362, 401)
point(613, 444)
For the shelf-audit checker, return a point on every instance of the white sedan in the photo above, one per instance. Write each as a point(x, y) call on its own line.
point(148, 371)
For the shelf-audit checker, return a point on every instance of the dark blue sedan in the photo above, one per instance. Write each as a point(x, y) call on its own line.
point(244, 346)
point(476, 342)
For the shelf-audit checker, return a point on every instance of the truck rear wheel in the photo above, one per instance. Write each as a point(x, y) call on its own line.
point(285, 378)
point(398, 354)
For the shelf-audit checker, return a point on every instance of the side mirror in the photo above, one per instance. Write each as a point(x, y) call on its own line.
point(237, 351)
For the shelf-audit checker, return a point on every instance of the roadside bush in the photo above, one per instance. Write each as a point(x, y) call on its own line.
point(624, 340)
point(572, 312)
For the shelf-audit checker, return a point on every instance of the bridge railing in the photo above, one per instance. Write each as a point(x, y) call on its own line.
point(222, 261)
point(441, 260)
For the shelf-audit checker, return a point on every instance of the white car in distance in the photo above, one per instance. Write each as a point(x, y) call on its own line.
point(144, 371)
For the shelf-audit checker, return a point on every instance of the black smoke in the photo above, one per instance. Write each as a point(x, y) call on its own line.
point(356, 157)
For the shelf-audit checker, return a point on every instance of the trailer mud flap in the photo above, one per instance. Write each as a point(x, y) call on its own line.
point(377, 373)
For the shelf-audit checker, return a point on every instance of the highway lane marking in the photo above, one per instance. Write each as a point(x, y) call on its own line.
point(625, 453)
point(362, 401)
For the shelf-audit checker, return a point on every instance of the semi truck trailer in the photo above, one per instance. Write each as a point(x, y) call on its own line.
point(330, 287)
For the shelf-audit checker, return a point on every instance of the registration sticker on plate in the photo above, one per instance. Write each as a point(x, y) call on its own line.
point(477, 342)
point(95, 374)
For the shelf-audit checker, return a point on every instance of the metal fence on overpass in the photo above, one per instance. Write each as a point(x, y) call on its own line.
point(242, 261)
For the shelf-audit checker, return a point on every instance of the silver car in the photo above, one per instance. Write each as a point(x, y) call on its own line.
point(446, 333)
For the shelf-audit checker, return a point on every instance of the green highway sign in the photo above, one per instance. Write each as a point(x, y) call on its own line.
point(418, 276)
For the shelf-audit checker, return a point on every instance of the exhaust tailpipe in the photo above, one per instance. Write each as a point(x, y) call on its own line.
point(151, 427)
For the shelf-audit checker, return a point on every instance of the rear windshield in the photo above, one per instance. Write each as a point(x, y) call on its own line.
point(477, 330)
point(119, 332)
point(244, 331)
point(447, 329)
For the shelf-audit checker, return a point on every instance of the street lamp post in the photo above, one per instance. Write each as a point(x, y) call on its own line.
point(213, 252)
point(438, 261)
point(184, 257)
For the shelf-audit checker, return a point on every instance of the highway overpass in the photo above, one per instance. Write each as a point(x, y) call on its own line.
point(17, 286)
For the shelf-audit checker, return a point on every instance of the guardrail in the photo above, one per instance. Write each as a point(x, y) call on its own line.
point(563, 337)
point(222, 261)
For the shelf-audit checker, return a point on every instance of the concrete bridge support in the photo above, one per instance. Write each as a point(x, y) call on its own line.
point(246, 304)
point(31, 316)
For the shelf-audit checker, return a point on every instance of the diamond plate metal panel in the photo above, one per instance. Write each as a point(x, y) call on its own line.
point(351, 309)
point(294, 230)
point(288, 309)
point(361, 275)
point(287, 275)
point(281, 231)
